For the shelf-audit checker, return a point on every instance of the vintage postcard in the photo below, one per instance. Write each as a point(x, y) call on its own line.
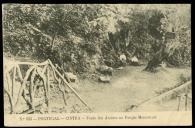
point(97, 64)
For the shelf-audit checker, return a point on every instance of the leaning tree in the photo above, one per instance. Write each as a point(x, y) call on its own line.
point(159, 28)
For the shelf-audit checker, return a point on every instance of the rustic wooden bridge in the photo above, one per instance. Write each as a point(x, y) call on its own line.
point(12, 71)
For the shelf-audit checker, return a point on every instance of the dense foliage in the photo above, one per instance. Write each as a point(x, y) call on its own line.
point(80, 37)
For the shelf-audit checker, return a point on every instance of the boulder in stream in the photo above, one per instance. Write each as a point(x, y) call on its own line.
point(105, 70)
point(104, 79)
point(71, 77)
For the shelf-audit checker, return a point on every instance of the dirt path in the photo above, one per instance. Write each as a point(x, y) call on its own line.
point(128, 87)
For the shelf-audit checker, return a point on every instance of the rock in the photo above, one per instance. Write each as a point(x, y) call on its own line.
point(163, 65)
point(104, 79)
point(120, 68)
point(123, 57)
point(105, 70)
point(134, 61)
point(94, 76)
point(70, 76)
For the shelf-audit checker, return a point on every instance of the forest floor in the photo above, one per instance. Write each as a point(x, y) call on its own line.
point(128, 86)
point(131, 86)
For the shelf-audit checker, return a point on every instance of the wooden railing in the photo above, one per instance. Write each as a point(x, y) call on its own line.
point(43, 70)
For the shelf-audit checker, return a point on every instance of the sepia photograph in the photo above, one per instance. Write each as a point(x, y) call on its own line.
point(96, 58)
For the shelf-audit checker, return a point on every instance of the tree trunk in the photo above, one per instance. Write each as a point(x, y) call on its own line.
point(153, 64)
point(52, 43)
point(157, 59)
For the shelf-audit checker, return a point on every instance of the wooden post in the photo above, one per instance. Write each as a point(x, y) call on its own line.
point(186, 101)
point(19, 73)
point(8, 92)
point(65, 82)
point(45, 86)
point(43, 70)
point(23, 84)
point(48, 90)
point(26, 100)
point(31, 90)
point(8, 81)
point(179, 100)
point(64, 97)
point(13, 81)
point(60, 86)
point(10, 101)
point(63, 92)
point(21, 80)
